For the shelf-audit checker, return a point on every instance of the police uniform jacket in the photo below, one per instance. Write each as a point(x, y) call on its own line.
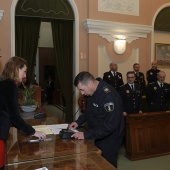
point(131, 99)
point(158, 97)
point(140, 79)
point(9, 109)
point(115, 81)
point(151, 75)
point(105, 119)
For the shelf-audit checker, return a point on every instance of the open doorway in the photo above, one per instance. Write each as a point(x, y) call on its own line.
point(75, 42)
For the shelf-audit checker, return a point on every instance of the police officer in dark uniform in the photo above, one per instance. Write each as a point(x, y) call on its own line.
point(103, 114)
point(131, 95)
point(151, 75)
point(113, 77)
point(139, 77)
point(158, 94)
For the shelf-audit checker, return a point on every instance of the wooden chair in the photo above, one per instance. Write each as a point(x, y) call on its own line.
point(37, 95)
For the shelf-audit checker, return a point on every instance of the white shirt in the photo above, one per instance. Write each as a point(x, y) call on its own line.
point(160, 84)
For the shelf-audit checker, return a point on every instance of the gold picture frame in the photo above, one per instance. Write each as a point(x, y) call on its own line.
point(162, 54)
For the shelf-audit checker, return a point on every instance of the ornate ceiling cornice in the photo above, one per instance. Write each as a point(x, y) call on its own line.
point(113, 30)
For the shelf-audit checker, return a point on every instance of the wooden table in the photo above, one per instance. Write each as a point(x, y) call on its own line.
point(60, 154)
point(83, 161)
point(20, 150)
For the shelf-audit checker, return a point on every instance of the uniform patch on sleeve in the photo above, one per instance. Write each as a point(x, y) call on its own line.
point(109, 107)
point(106, 90)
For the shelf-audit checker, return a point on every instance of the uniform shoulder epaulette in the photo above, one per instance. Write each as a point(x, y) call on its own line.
point(122, 85)
point(106, 89)
point(152, 83)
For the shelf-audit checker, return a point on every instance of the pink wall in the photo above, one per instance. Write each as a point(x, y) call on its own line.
point(88, 43)
point(146, 12)
point(5, 34)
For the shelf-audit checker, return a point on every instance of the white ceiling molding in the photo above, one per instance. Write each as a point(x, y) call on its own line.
point(116, 30)
point(1, 14)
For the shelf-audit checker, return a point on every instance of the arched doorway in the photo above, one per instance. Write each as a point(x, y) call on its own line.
point(76, 41)
point(161, 35)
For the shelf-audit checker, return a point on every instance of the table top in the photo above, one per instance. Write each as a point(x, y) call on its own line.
point(19, 149)
point(55, 154)
point(83, 161)
point(50, 119)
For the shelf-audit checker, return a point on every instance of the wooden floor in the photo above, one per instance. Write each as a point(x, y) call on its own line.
point(54, 110)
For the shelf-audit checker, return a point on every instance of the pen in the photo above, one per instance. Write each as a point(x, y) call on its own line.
point(41, 140)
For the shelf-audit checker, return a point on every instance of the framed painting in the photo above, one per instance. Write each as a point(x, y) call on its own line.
point(162, 54)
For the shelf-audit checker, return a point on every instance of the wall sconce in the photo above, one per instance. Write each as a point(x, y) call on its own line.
point(1, 14)
point(119, 45)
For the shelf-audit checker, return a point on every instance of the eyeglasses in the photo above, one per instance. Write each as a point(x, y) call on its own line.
point(130, 77)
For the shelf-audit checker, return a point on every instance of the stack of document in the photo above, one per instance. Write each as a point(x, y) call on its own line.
point(52, 129)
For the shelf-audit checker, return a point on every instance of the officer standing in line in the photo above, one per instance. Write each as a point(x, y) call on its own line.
point(113, 77)
point(131, 95)
point(139, 77)
point(151, 75)
point(103, 114)
point(158, 94)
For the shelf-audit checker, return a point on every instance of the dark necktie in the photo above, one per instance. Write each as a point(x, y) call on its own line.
point(114, 74)
point(137, 74)
point(132, 87)
point(161, 85)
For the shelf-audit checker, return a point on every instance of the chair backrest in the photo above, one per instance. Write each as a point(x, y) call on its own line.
point(37, 95)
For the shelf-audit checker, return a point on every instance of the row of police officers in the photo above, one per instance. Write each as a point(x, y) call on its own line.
point(157, 91)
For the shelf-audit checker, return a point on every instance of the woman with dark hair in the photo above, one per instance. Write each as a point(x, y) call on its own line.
point(13, 73)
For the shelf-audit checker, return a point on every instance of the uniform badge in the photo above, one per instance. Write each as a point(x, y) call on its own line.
point(109, 107)
point(151, 73)
point(155, 88)
point(127, 91)
point(95, 105)
point(106, 90)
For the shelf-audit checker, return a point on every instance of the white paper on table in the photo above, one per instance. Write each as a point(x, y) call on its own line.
point(43, 128)
point(56, 128)
point(74, 130)
point(43, 168)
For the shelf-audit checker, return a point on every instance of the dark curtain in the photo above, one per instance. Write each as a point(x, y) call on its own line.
point(26, 41)
point(62, 31)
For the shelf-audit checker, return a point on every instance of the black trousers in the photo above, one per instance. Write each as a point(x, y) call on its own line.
point(110, 150)
point(158, 107)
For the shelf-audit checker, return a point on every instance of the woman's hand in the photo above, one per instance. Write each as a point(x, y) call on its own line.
point(40, 135)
